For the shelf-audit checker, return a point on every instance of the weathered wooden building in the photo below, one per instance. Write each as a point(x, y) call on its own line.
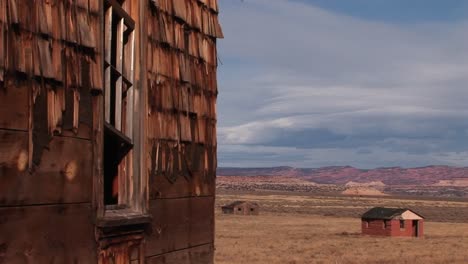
point(401, 222)
point(107, 131)
point(241, 208)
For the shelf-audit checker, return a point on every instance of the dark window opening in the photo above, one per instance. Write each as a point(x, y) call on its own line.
point(116, 147)
point(402, 224)
point(386, 224)
point(118, 101)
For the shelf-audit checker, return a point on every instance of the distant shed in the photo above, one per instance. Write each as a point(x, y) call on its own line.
point(241, 208)
point(403, 222)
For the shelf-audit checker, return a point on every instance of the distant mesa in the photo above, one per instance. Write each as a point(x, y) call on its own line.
point(365, 184)
point(461, 182)
point(343, 175)
point(363, 191)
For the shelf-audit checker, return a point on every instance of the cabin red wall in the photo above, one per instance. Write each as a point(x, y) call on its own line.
point(376, 228)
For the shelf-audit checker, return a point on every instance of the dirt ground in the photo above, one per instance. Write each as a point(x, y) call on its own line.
point(303, 235)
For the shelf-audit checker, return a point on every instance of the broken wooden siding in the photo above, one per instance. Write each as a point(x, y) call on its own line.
point(50, 67)
point(49, 73)
point(181, 129)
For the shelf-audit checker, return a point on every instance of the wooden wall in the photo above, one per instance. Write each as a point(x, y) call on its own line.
point(181, 129)
point(50, 88)
point(49, 69)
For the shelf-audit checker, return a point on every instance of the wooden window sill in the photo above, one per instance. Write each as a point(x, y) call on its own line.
point(122, 217)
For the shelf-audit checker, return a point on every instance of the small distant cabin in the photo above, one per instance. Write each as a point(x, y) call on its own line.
point(241, 208)
point(401, 222)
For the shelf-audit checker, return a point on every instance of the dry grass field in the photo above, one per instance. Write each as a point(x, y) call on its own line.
point(294, 229)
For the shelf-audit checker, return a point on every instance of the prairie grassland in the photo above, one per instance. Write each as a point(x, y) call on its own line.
point(285, 234)
point(454, 210)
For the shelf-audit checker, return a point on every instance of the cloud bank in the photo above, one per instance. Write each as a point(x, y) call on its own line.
point(306, 87)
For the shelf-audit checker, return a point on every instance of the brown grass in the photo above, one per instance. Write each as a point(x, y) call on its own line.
point(348, 206)
point(291, 237)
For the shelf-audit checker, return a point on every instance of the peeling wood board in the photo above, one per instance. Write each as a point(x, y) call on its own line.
point(180, 223)
point(14, 146)
point(14, 107)
point(47, 234)
point(190, 181)
point(170, 226)
point(203, 254)
point(63, 176)
point(202, 220)
point(84, 120)
point(40, 136)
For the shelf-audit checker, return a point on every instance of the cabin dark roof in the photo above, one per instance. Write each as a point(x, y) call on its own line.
point(383, 213)
point(235, 203)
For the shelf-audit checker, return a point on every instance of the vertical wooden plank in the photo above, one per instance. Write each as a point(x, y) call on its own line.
point(98, 149)
point(130, 59)
point(141, 168)
point(76, 110)
point(107, 59)
point(31, 99)
point(119, 67)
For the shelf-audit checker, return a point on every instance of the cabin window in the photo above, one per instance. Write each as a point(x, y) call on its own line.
point(402, 224)
point(119, 105)
point(366, 223)
point(386, 224)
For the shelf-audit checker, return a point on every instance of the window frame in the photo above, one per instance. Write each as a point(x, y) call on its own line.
point(132, 199)
point(386, 224)
point(119, 37)
point(402, 225)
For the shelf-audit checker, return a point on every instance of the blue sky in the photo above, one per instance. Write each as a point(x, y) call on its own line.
point(397, 11)
point(367, 83)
